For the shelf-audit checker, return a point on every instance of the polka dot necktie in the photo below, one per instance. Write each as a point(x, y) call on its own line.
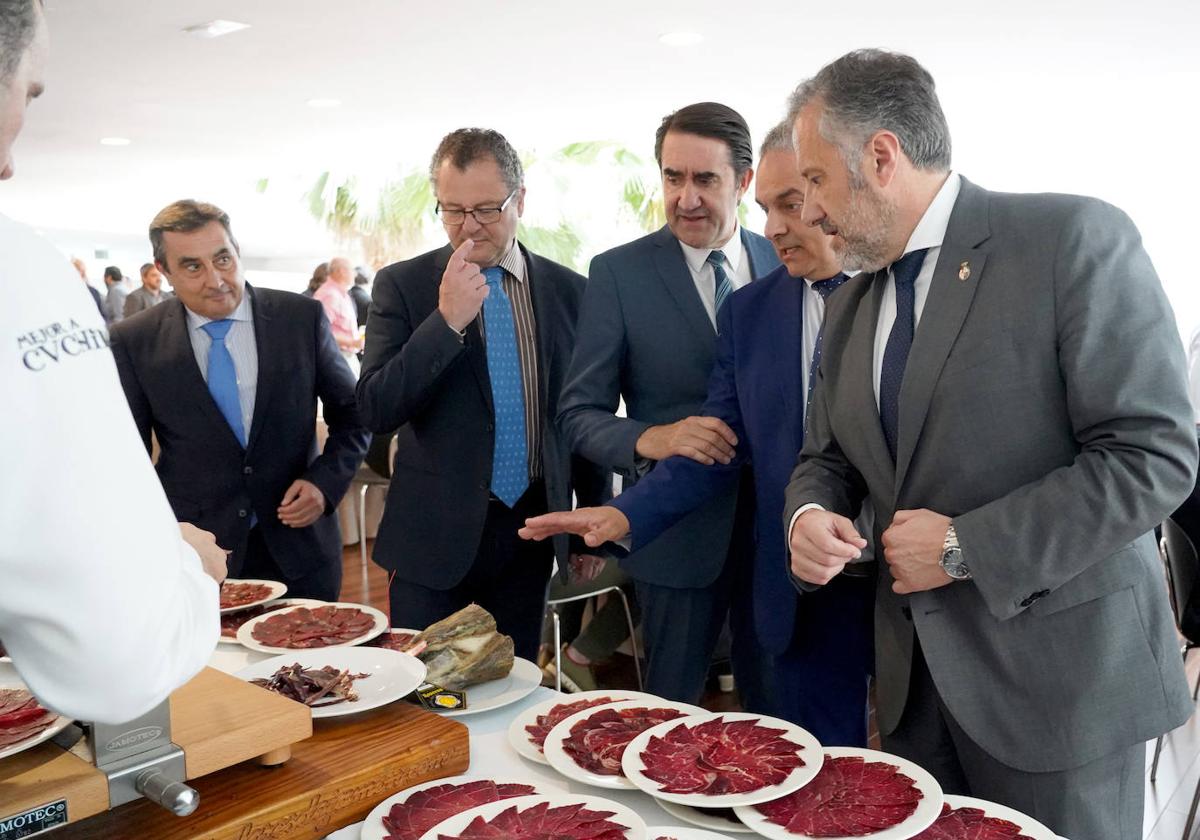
point(222, 377)
point(510, 455)
point(721, 285)
point(895, 353)
point(824, 288)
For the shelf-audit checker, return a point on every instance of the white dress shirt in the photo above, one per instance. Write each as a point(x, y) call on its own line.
point(737, 269)
point(239, 341)
point(1193, 363)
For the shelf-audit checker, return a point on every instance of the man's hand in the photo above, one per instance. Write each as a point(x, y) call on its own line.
point(302, 504)
point(597, 525)
point(585, 568)
point(703, 439)
point(463, 289)
point(214, 558)
point(912, 547)
point(822, 543)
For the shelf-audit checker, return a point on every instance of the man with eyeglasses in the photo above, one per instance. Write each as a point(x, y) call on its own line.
point(465, 357)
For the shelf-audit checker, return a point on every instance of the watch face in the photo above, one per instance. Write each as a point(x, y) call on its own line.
point(953, 565)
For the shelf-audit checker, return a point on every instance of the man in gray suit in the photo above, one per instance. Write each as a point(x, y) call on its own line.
point(1004, 382)
point(114, 299)
point(647, 334)
point(149, 294)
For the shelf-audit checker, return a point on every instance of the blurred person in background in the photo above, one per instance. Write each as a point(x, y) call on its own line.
point(118, 290)
point(360, 295)
point(81, 267)
point(334, 295)
point(319, 276)
point(149, 294)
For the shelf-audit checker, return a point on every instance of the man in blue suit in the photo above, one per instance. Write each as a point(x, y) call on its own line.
point(819, 643)
point(647, 334)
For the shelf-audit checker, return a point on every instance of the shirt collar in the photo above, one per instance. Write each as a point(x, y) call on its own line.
point(733, 250)
point(513, 262)
point(931, 230)
point(242, 313)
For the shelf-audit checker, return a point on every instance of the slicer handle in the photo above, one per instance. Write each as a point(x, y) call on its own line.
point(176, 797)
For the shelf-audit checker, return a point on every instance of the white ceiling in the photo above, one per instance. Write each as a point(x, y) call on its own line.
point(209, 117)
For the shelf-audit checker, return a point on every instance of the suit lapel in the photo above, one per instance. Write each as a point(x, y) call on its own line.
point(946, 307)
point(181, 359)
point(788, 301)
point(760, 253)
point(677, 277)
point(859, 371)
point(541, 296)
point(262, 315)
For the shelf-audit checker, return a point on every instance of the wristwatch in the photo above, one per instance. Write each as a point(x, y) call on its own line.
point(952, 559)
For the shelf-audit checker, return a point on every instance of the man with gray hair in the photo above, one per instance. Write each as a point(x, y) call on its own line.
point(1032, 427)
point(465, 359)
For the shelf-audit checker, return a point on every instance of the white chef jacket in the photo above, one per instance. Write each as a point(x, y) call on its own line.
point(101, 622)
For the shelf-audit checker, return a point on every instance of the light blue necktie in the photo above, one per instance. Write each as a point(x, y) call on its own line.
point(222, 377)
point(510, 455)
point(721, 285)
point(824, 288)
point(895, 352)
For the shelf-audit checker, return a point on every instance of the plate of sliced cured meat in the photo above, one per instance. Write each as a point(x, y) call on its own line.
point(415, 810)
point(858, 793)
point(550, 816)
point(529, 729)
point(721, 820)
point(966, 818)
point(24, 722)
point(670, 832)
point(240, 594)
point(338, 681)
point(587, 746)
point(723, 760)
point(397, 638)
point(232, 621)
point(305, 628)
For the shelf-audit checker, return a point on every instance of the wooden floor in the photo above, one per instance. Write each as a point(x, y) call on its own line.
point(1167, 800)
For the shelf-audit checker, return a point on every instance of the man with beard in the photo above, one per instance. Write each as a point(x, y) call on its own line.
point(151, 293)
point(999, 382)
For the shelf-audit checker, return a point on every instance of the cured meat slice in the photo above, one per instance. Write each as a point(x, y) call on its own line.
point(426, 808)
point(237, 594)
point(849, 797)
point(720, 757)
point(971, 824)
point(557, 714)
point(232, 622)
point(305, 627)
point(21, 716)
point(541, 822)
point(597, 742)
point(394, 641)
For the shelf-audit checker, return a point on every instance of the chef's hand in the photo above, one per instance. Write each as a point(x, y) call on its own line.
point(463, 288)
point(596, 525)
point(585, 568)
point(912, 547)
point(822, 543)
point(214, 558)
point(302, 504)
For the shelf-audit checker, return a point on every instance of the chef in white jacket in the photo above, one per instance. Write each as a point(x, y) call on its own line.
point(102, 623)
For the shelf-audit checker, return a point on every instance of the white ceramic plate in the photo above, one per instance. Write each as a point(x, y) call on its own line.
point(1029, 826)
point(10, 679)
point(560, 760)
point(520, 682)
point(704, 819)
point(277, 591)
point(811, 754)
point(672, 832)
point(521, 740)
point(247, 640)
point(373, 828)
point(391, 675)
point(635, 826)
point(927, 811)
point(277, 605)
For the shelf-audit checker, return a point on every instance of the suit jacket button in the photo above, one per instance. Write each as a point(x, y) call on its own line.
point(242, 513)
point(483, 485)
point(247, 470)
point(1028, 601)
point(435, 367)
point(491, 427)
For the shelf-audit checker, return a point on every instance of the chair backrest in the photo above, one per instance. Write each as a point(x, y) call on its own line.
point(1183, 567)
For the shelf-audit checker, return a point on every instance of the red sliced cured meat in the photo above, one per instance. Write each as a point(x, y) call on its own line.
point(541, 822)
point(720, 757)
point(557, 714)
point(313, 628)
point(849, 797)
point(410, 819)
point(971, 824)
point(232, 622)
point(597, 742)
point(21, 716)
point(238, 594)
point(394, 641)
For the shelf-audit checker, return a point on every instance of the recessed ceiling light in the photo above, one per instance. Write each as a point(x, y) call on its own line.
point(115, 141)
point(681, 39)
point(324, 103)
point(215, 28)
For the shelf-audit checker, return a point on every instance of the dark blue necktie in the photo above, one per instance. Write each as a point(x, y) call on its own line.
point(824, 288)
point(510, 453)
point(222, 377)
point(721, 285)
point(895, 353)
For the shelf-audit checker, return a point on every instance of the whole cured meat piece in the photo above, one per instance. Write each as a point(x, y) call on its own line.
point(237, 594)
point(541, 822)
point(313, 628)
point(557, 714)
point(971, 824)
point(597, 742)
point(426, 808)
point(849, 797)
point(720, 757)
point(465, 649)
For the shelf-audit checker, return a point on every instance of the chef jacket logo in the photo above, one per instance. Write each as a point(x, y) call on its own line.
point(57, 342)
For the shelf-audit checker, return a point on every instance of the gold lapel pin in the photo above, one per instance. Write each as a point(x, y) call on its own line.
point(964, 271)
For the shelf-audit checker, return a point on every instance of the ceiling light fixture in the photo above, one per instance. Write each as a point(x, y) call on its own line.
point(324, 103)
point(681, 39)
point(115, 141)
point(215, 28)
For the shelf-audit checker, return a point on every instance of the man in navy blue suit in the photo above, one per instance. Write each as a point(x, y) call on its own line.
point(767, 352)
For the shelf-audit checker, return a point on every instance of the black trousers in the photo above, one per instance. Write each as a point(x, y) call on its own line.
point(323, 583)
point(509, 579)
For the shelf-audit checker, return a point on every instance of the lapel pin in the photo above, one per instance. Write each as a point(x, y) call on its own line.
point(964, 271)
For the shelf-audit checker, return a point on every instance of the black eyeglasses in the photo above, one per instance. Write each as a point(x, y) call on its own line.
point(482, 215)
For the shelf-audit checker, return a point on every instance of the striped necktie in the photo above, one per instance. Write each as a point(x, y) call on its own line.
point(824, 288)
point(510, 453)
point(895, 353)
point(721, 285)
